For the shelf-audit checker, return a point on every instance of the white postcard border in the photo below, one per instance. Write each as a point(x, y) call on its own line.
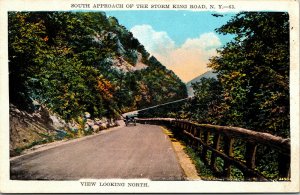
point(7, 185)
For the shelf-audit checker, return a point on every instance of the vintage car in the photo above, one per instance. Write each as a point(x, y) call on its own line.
point(130, 119)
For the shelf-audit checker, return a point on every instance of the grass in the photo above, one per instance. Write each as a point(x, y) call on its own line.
point(46, 138)
point(19, 150)
point(204, 172)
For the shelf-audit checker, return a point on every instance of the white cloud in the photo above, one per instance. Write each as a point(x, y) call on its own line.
point(206, 41)
point(154, 42)
point(188, 60)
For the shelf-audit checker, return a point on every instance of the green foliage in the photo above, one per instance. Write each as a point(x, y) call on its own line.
point(171, 110)
point(236, 174)
point(239, 151)
point(252, 89)
point(254, 72)
point(265, 162)
point(205, 106)
point(65, 61)
point(162, 84)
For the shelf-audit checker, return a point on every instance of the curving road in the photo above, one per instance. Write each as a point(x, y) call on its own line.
point(141, 151)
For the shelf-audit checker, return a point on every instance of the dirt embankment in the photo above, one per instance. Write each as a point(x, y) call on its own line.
point(30, 129)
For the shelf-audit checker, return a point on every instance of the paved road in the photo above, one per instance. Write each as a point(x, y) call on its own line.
point(141, 151)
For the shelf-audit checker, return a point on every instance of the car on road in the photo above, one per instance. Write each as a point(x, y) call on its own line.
point(130, 119)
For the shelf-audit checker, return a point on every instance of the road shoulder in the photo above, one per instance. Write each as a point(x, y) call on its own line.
point(185, 162)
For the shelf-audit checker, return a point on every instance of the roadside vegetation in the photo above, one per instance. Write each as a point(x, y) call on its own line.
point(72, 63)
point(76, 62)
point(252, 85)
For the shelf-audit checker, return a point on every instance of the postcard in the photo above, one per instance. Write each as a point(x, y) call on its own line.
point(155, 96)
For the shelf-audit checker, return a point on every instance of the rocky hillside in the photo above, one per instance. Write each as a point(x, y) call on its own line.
point(27, 129)
point(42, 126)
point(76, 63)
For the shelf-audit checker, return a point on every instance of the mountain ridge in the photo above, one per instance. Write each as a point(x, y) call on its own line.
point(78, 64)
point(114, 66)
point(208, 74)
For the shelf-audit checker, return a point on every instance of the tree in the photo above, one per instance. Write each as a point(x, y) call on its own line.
point(65, 60)
point(254, 71)
point(205, 106)
point(25, 41)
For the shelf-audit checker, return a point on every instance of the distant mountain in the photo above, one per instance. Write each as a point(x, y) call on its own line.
point(208, 74)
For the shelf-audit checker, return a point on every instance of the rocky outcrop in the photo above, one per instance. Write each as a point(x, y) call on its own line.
point(42, 126)
point(139, 64)
point(27, 129)
point(121, 64)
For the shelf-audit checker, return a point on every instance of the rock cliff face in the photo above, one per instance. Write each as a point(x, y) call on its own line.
point(27, 129)
point(122, 65)
point(42, 126)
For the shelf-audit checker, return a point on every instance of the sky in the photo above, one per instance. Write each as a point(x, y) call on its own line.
point(183, 41)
